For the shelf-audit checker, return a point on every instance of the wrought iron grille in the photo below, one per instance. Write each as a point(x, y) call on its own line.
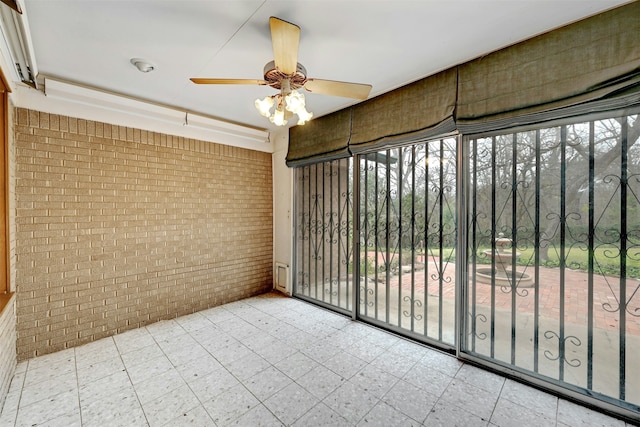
point(549, 274)
point(407, 239)
point(554, 255)
point(324, 233)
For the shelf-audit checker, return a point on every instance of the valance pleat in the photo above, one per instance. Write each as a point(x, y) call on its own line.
point(587, 67)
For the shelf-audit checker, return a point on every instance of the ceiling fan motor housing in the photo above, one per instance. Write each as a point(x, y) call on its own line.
point(274, 77)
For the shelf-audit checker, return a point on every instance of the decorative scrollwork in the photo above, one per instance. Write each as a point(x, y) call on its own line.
point(571, 339)
point(369, 292)
point(414, 303)
point(513, 287)
point(474, 330)
point(636, 311)
point(331, 288)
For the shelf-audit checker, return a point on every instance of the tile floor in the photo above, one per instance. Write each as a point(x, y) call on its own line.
point(271, 361)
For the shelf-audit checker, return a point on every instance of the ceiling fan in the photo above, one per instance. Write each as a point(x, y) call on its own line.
point(287, 75)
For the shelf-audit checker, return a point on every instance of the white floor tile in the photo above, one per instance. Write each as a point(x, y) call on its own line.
point(52, 359)
point(577, 416)
point(133, 340)
point(296, 365)
point(428, 378)
point(71, 419)
point(210, 386)
point(542, 403)
point(266, 383)
point(158, 385)
point(481, 378)
point(48, 409)
point(374, 381)
point(247, 366)
point(472, 398)
point(509, 414)
point(291, 403)
point(104, 387)
point(194, 322)
point(351, 402)
point(365, 351)
point(152, 367)
point(412, 401)
point(445, 363)
point(230, 405)
point(198, 368)
point(383, 415)
point(172, 405)
point(196, 417)
point(395, 365)
point(49, 369)
point(165, 329)
point(258, 416)
point(272, 361)
point(112, 408)
point(445, 414)
point(94, 371)
point(141, 354)
point(228, 354)
point(321, 381)
point(96, 351)
point(345, 364)
point(48, 388)
point(321, 416)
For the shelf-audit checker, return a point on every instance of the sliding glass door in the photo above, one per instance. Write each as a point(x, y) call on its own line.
point(407, 239)
point(554, 255)
point(547, 282)
point(324, 234)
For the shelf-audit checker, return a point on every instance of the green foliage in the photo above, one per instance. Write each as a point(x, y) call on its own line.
point(606, 260)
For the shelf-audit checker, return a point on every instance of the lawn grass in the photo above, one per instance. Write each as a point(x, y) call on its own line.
point(606, 259)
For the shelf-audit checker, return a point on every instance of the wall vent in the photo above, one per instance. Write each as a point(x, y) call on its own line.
point(281, 277)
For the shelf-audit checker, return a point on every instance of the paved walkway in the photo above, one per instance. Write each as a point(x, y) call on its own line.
point(606, 312)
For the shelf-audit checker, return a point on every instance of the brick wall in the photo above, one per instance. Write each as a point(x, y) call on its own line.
point(117, 228)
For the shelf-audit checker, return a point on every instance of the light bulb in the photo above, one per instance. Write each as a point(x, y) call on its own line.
point(304, 116)
point(294, 101)
point(278, 117)
point(263, 106)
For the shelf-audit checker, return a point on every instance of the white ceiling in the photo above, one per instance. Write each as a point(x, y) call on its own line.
point(383, 43)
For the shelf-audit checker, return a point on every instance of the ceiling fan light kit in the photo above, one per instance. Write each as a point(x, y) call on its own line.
point(287, 75)
point(287, 100)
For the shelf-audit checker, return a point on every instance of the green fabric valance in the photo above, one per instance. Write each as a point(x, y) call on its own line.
point(589, 60)
point(589, 66)
point(423, 109)
point(322, 139)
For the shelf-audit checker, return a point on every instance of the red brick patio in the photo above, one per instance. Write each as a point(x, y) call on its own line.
point(605, 291)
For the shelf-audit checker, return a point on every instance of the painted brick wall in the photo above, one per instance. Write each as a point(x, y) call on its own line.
point(117, 228)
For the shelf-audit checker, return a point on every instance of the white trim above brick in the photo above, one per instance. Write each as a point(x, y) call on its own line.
point(93, 104)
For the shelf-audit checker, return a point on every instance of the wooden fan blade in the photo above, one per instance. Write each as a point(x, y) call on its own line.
point(13, 4)
point(331, 87)
point(205, 81)
point(285, 38)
